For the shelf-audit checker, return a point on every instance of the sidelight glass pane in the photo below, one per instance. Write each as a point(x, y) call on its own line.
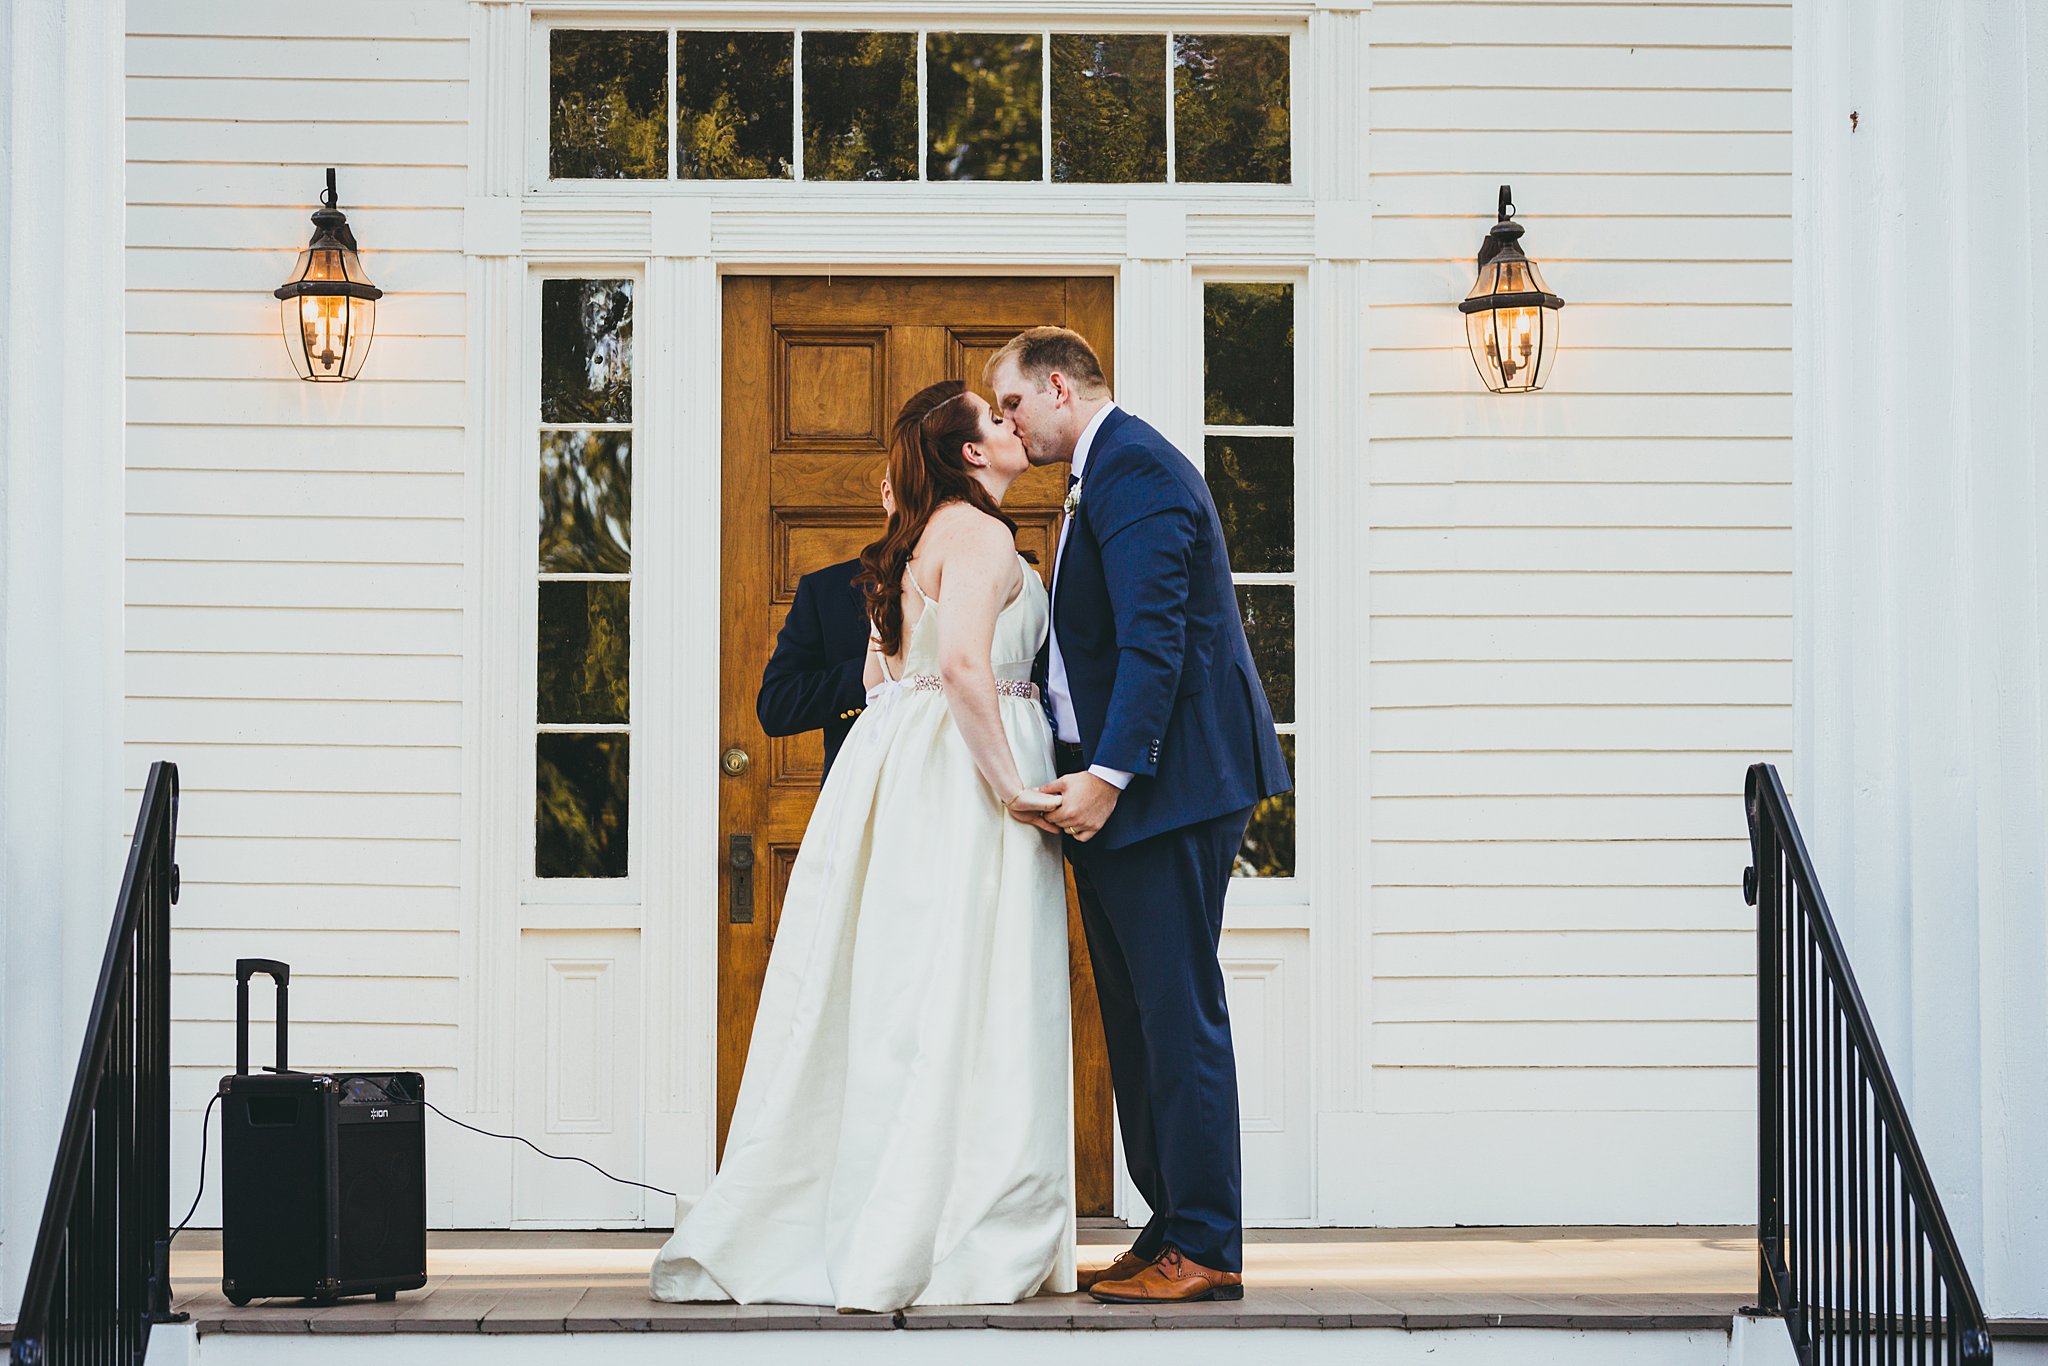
point(1230, 114)
point(1248, 354)
point(586, 351)
point(735, 97)
point(860, 106)
point(586, 502)
point(607, 104)
point(584, 652)
point(1268, 848)
point(1268, 610)
point(1109, 107)
point(986, 106)
point(1251, 479)
point(580, 791)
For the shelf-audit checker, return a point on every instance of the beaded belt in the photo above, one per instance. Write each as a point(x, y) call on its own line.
point(1005, 687)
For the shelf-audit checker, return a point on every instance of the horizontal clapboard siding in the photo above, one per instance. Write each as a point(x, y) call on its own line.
point(294, 603)
point(1581, 601)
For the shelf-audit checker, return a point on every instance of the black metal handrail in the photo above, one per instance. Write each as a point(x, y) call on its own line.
point(99, 1276)
point(1855, 1253)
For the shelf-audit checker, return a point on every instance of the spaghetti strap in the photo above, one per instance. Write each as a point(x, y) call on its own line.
point(911, 579)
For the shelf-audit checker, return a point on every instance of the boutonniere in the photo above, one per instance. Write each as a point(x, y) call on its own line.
point(1073, 500)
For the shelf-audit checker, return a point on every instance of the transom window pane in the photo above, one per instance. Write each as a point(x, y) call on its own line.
point(986, 112)
point(1109, 107)
point(735, 105)
point(860, 106)
point(1230, 114)
point(1080, 108)
point(607, 104)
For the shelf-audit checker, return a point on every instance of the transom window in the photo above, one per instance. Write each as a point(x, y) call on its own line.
point(1248, 459)
point(899, 105)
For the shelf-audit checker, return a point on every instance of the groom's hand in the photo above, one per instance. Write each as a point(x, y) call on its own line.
point(1086, 804)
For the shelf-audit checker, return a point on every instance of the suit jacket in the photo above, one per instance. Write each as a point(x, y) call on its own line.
point(813, 680)
point(1163, 682)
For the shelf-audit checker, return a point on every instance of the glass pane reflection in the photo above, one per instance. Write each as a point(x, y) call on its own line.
point(1248, 354)
point(584, 652)
point(607, 104)
point(1230, 114)
point(580, 792)
point(1268, 611)
point(1251, 479)
point(586, 502)
point(986, 106)
point(734, 100)
point(1109, 107)
point(586, 351)
point(860, 106)
point(1268, 848)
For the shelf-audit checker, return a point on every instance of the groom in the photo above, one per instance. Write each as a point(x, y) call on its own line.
point(1165, 743)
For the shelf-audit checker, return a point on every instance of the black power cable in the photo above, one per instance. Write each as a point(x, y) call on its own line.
point(206, 1126)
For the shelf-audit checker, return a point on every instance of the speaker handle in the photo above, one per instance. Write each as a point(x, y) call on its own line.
point(281, 974)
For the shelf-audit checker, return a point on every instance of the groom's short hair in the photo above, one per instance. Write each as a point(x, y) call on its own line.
point(1039, 351)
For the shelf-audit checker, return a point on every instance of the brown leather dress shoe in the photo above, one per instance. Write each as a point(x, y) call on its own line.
point(1172, 1279)
point(1127, 1264)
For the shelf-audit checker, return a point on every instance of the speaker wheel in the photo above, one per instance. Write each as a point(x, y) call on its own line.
point(237, 1299)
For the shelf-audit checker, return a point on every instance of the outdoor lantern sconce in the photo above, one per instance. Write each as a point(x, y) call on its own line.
point(329, 306)
point(1510, 318)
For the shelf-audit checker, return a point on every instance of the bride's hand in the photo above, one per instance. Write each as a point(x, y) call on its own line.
point(1033, 807)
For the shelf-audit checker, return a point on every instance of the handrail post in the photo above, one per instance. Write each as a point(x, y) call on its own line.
point(1766, 889)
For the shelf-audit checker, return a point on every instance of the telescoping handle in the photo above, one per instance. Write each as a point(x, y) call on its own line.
point(280, 973)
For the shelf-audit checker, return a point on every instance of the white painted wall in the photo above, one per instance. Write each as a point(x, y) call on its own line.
point(1921, 428)
point(1580, 607)
point(61, 817)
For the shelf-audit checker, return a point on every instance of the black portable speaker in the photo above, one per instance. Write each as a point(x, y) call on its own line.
point(323, 1174)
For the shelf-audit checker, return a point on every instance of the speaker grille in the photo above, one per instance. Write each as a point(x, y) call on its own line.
point(383, 1200)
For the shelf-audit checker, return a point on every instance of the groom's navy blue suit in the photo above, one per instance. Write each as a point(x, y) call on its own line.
point(1164, 688)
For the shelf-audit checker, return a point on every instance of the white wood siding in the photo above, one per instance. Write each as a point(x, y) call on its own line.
point(294, 551)
point(1581, 600)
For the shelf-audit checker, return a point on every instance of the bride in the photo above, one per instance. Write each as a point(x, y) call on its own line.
point(903, 1132)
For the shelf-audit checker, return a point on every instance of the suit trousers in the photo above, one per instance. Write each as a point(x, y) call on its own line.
point(1153, 915)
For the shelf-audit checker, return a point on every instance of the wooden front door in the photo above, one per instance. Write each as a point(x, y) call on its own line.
point(815, 370)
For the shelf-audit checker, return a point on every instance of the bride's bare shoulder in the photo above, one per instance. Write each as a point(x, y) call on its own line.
point(963, 526)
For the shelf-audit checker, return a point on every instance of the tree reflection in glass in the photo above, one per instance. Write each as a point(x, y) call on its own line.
point(607, 104)
point(1109, 107)
point(586, 502)
point(735, 98)
point(586, 350)
point(1230, 108)
point(580, 787)
point(985, 106)
point(1268, 610)
point(1248, 353)
point(584, 655)
point(1251, 479)
point(860, 106)
point(1268, 848)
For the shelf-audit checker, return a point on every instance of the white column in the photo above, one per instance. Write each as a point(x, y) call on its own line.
point(1921, 408)
point(61, 403)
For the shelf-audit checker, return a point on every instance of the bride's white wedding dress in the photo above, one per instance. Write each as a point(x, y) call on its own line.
point(903, 1130)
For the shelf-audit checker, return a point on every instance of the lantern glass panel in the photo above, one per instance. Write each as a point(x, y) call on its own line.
point(328, 335)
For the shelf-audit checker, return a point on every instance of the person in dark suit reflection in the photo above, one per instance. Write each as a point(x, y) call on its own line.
point(813, 680)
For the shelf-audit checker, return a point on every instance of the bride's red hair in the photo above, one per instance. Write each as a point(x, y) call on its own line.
point(927, 470)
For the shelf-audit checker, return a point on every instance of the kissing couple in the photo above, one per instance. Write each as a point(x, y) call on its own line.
point(903, 1132)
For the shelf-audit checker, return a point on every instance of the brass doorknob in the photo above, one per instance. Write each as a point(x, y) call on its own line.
point(735, 762)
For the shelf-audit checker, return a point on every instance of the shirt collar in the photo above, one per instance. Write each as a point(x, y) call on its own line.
point(1087, 441)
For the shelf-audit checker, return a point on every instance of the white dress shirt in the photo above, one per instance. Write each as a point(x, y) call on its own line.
point(1062, 692)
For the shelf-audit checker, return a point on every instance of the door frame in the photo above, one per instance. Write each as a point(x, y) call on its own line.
point(1158, 243)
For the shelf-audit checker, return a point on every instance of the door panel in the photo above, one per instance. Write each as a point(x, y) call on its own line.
point(815, 369)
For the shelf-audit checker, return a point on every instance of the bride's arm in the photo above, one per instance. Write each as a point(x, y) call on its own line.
point(980, 575)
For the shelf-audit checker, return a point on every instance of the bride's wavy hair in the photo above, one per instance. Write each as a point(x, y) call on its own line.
point(927, 470)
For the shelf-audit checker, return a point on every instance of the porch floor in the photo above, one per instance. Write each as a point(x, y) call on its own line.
point(496, 1281)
